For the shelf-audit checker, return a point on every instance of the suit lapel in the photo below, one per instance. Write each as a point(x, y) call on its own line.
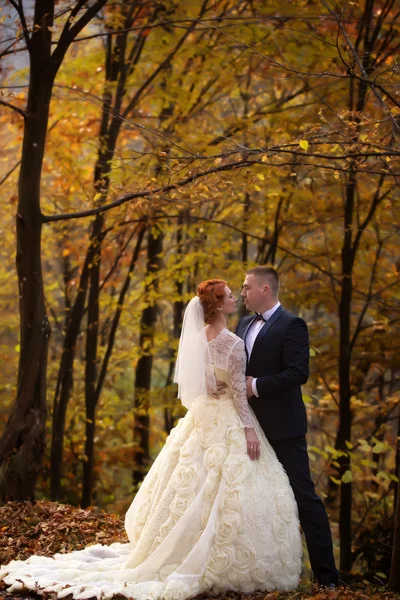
point(265, 328)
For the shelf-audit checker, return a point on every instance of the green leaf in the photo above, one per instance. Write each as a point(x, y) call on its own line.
point(379, 447)
point(363, 442)
point(368, 463)
point(347, 476)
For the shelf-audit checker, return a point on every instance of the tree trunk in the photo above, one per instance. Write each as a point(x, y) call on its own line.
point(178, 307)
point(245, 241)
point(92, 274)
point(394, 577)
point(357, 97)
point(23, 441)
point(145, 363)
point(102, 184)
point(93, 392)
point(116, 72)
point(344, 433)
point(92, 333)
point(65, 379)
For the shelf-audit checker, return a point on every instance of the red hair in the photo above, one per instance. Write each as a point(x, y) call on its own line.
point(211, 293)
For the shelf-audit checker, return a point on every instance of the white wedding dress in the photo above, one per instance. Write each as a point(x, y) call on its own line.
point(206, 518)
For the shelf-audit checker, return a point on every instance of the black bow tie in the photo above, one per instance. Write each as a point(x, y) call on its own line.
point(259, 317)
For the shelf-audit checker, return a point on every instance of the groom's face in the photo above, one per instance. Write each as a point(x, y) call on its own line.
point(254, 292)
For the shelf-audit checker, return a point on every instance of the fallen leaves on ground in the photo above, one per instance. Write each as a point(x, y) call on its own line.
point(47, 527)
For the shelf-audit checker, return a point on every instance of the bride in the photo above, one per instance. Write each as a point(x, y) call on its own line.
point(215, 512)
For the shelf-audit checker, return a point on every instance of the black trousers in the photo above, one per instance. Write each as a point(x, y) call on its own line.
point(292, 454)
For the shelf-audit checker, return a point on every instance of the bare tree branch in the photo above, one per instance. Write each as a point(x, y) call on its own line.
point(369, 297)
point(69, 33)
point(163, 64)
point(17, 4)
point(16, 108)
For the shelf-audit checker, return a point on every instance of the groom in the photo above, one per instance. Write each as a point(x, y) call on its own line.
point(277, 348)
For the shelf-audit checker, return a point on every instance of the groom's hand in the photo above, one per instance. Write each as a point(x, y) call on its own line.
point(221, 387)
point(249, 388)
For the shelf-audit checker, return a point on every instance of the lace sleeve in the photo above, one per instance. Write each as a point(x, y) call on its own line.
point(237, 372)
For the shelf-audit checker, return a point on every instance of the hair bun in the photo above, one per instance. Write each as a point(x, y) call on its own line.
point(211, 293)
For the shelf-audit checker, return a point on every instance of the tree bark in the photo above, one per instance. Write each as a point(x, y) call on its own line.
point(120, 61)
point(65, 379)
point(94, 383)
point(178, 307)
point(245, 240)
point(345, 418)
point(23, 442)
point(145, 363)
point(351, 240)
point(394, 577)
point(91, 364)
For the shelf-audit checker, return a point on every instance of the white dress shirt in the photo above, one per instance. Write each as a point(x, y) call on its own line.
point(253, 332)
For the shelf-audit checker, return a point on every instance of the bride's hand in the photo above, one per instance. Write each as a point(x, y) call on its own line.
point(253, 445)
point(221, 387)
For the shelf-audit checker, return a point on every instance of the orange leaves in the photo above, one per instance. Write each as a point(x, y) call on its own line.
point(46, 528)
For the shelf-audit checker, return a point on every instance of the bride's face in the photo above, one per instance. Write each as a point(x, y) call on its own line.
point(230, 301)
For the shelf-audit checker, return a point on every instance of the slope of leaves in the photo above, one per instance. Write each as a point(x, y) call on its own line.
point(45, 528)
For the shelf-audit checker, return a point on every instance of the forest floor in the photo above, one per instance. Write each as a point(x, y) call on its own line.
point(46, 528)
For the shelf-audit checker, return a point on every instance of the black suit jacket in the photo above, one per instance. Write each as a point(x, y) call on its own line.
point(279, 360)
